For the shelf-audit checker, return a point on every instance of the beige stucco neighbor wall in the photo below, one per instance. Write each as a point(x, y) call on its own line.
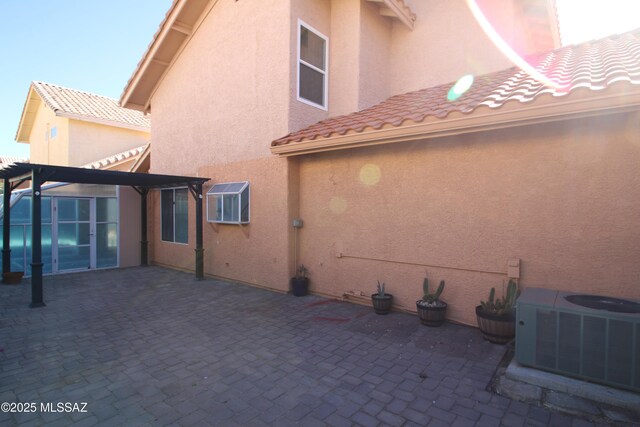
point(46, 150)
point(561, 197)
point(89, 142)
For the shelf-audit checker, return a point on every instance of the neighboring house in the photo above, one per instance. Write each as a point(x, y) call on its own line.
point(511, 179)
point(84, 226)
point(7, 160)
point(68, 127)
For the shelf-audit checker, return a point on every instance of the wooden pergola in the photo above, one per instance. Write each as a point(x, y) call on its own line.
point(18, 173)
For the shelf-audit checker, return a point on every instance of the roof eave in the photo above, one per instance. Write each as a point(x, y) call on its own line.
point(481, 119)
point(170, 25)
point(142, 66)
point(24, 128)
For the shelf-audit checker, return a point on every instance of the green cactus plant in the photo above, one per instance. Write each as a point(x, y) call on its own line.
point(431, 297)
point(501, 306)
point(381, 289)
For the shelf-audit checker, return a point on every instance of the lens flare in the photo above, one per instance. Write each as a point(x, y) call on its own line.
point(370, 174)
point(506, 49)
point(462, 85)
point(338, 205)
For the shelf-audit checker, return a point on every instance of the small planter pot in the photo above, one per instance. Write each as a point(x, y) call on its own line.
point(431, 315)
point(382, 305)
point(12, 277)
point(299, 286)
point(498, 329)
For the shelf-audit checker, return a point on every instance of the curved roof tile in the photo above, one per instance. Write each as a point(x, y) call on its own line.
point(88, 105)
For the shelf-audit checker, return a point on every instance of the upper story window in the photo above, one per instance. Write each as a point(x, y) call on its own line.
point(54, 132)
point(312, 66)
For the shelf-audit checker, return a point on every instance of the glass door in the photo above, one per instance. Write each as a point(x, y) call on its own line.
point(74, 234)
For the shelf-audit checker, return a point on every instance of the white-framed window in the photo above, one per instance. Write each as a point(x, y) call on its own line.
point(54, 132)
point(174, 215)
point(228, 203)
point(313, 66)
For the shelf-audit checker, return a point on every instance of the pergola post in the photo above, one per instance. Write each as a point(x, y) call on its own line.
point(144, 242)
point(36, 240)
point(199, 249)
point(6, 227)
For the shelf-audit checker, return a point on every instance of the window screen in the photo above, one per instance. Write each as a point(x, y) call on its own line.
point(175, 215)
point(312, 67)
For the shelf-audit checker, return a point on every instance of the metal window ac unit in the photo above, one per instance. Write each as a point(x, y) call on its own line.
point(584, 336)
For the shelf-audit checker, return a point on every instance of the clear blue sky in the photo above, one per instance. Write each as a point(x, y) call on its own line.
point(90, 45)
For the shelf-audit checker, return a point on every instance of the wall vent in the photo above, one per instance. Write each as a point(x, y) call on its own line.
point(589, 337)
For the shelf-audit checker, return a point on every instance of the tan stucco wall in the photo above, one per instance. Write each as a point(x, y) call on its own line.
point(561, 197)
point(129, 223)
point(257, 253)
point(215, 113)
point(225, 97)
point(359, 67)
point(89, 142)
point(42, 148)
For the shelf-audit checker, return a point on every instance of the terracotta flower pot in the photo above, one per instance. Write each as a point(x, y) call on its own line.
point(431, 315)
point(12, 277)
point(496, 328)
point(382, 305)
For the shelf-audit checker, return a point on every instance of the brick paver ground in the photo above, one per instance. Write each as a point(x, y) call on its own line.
point(151, 346)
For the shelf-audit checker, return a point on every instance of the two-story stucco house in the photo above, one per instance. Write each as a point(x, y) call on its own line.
point(345, 114)
point(69, 127)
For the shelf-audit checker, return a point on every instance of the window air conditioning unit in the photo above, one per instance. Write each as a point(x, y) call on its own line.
point(590, 337)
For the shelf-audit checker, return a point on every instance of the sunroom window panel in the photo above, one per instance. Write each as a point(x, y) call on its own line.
point(311, 85)
point(21, 211)
point(73, 209)
point(106, 245)
point(312, 48)
point(106, 209)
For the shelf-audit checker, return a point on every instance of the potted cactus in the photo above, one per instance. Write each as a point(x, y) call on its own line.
point(300, 283)
point(496, 317)
point(431, 309)
point(381, 300)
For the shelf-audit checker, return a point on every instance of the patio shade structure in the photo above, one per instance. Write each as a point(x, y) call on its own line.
point(18, 173)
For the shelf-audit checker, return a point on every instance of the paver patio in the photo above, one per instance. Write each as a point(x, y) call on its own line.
point(152, 346)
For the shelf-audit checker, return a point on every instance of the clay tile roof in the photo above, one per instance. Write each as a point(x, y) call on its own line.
point(119, 157)
point(593, 65)
point(88, 106)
